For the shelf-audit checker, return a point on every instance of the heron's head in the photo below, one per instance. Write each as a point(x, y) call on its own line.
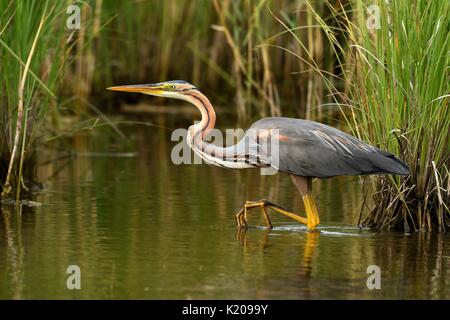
point(177, 89)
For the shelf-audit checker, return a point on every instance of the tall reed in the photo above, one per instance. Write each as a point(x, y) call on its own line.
point(405, 101)
point(227, 48)
point(29, 71)
point(398, 92)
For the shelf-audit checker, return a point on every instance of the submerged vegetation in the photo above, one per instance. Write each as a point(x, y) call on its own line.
point(311, 59)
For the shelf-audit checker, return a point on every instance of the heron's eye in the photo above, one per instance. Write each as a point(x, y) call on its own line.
point(170, 87)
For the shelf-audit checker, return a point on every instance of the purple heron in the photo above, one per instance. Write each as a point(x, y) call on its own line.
point(306, 150)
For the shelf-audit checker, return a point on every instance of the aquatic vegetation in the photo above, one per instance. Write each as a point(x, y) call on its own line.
point(30, 47)
point(402, 90)
point(398, 90)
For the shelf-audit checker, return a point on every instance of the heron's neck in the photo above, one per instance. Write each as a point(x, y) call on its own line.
point(198, 132)
point(208, 121)
point(211, 153)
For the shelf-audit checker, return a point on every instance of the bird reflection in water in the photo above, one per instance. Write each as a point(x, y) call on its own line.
point(309, 246)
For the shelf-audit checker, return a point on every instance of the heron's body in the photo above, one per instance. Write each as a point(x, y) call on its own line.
point(304, 149)
point(308, 149)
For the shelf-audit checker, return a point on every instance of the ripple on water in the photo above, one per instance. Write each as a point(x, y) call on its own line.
point(324, 230)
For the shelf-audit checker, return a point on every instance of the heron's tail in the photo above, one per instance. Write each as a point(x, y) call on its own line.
point(389, 163)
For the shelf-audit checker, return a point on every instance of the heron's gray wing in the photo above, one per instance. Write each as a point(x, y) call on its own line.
point(312, 149)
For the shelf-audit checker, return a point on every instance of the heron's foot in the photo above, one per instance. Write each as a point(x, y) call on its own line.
point(241, 216)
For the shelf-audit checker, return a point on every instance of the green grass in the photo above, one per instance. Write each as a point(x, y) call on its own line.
point(227, 48)
point(399, 89)
point(405, 108)
point(30, 68)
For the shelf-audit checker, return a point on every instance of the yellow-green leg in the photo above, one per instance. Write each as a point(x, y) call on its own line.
point(304, 185)
point(311, 212)
point(241, 216)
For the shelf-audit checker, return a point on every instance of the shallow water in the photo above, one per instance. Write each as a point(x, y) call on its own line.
point(140, 227)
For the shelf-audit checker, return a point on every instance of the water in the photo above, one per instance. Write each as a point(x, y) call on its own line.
point(140, 227)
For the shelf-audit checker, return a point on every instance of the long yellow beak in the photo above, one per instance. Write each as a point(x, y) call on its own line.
point(141, 88)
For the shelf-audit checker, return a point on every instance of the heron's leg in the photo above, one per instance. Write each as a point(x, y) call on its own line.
point(241, 216)
point(304, 186)
point(311, 211)
point(266, 217)
point(238, 218)
point(282, 210)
